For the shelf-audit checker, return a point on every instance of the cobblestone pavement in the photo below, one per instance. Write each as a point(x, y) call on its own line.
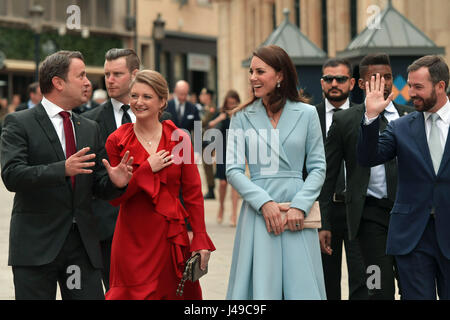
point(214, 284)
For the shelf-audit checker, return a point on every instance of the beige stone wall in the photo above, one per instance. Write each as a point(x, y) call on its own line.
point(311, 27)
point(432, 17)
point(245, 24)
point(192, 18)
point(338, 32)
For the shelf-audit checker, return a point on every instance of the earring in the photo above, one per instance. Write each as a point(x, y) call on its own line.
point(278, 84)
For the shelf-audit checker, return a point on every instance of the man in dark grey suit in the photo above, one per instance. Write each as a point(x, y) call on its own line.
point(369, 192)
point(337, 82)
point(51, 158)
point(184, 114)
point(120, 67)
point(34, 92)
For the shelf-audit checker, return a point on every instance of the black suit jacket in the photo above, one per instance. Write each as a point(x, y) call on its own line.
point(104, 212)
point(321, 110)
point(190, 115)
point(33, 166)
point(341, 145)
point(84, 108)
point(22, 106)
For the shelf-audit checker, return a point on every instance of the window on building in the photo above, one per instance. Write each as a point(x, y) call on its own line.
point(324, 26)
point(179, 66)
point(3, 8)
point(61, 10)
point(297, 12)
point(164, 65)
point(20, 8)
point(353, 18)
point(204, 2)
point(104, 13)
point(274, 16)
point(85, 8)
point(47, 5)
point(145, 56)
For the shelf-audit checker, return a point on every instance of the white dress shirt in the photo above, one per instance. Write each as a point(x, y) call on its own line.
point(442, 123)
point(53, 113)
point(118, 112)
point(329, 112)
point(377, 183)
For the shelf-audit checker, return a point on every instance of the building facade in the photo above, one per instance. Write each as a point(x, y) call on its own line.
point(188, 50)
point(330, 24)
point(89, 26)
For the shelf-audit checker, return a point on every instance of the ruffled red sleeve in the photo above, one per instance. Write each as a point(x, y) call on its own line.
point(193, 198)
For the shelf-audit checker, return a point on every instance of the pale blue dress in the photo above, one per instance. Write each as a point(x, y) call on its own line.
point(265, 266)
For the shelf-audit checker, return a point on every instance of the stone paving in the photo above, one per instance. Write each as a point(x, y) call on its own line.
point(214, 284)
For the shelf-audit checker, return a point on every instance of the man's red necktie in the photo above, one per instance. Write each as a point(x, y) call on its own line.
point(70, 138)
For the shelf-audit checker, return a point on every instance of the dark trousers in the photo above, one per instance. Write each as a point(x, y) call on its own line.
point(332, 264)
point(209, 174)
point(425, 269)
point(372, 236)
point(105, 246)
point(71, 269)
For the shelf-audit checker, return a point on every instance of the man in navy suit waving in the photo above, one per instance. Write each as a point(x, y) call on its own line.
point(418, 234)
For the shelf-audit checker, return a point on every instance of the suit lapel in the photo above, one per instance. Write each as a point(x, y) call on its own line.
point(49, 130)
point(79, 136)
point(288, 120)
point(402, 111)
point(321, 112)
point(446, 155)
point(418, 131)
point(109, 119)
point(257, 117)
point(171, 109)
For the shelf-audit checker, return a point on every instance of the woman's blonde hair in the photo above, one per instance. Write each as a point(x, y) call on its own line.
point(155, 80)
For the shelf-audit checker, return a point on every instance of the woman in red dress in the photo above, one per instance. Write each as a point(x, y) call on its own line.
point(151, 243)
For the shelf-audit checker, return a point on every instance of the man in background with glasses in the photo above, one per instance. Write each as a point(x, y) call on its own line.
point(337, 82)
point(370, 192)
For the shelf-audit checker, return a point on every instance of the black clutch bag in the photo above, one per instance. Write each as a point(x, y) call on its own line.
point(192, 272)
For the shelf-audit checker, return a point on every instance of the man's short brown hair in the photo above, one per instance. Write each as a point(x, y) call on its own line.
point(131, 57)
point(436, 66)
point(56, 65)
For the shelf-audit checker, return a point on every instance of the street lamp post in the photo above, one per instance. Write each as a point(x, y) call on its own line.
point(36, 13)
point(158, 34)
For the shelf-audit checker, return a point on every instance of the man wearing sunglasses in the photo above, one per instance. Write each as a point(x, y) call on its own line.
point(370, 192)
point(337, 82)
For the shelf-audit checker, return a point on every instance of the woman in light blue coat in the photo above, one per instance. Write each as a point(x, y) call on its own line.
point(276, 134)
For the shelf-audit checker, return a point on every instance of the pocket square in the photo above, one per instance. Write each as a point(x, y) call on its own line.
point(190, 116)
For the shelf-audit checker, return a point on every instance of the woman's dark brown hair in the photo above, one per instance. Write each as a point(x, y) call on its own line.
point(230, 94)
point(280, 61)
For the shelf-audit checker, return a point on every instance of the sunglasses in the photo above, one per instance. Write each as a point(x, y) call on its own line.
point(339, 79)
